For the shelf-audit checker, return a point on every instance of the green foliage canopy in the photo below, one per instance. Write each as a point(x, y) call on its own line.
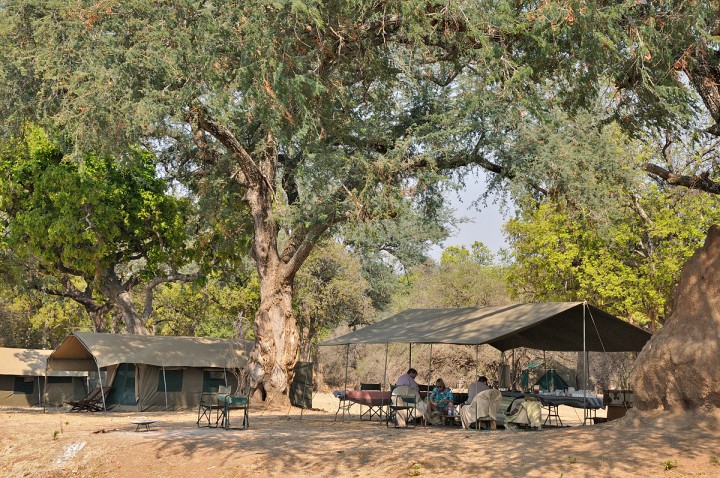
point(78, 229)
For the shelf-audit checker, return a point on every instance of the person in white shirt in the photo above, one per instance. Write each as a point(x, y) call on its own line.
point(477, 387)
point(406, 384)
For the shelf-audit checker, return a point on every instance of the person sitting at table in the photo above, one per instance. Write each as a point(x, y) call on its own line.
point(485, 407)
point(406, 385)
point(477, 387)
point(408, 379)
point(440, 398)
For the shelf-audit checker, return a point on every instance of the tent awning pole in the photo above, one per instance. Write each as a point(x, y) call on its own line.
point(347, 364)
point(385, 384)
point(477, 361)
point(45, 391)
point(514, 371)
point(410, 365)
point(45, 387)
point(429, 375)
point(102, 391)
point(501, 378)
point(165, 386)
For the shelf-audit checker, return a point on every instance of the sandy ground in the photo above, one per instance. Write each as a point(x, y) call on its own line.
point(282, 443)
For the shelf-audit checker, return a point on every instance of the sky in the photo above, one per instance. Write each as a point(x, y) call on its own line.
point(482, 225)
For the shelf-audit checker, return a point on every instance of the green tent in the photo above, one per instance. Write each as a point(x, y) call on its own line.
point(551, 380)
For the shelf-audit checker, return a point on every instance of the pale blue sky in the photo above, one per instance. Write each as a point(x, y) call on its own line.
point(483, 225)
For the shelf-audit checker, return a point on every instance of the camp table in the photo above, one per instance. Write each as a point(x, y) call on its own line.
point(228, 403)
point(589, 403)
point(145, 423)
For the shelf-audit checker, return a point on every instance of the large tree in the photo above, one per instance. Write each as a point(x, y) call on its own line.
point(305, 107)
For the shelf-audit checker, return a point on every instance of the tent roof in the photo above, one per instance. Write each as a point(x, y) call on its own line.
point(83, 350)
point(26, 362)
point(554, 326)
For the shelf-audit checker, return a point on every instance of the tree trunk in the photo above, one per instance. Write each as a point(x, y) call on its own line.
point(273, 357)
point(97, 316)
point(113, 289)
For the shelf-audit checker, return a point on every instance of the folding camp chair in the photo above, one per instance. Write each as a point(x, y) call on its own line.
point(402, 406)
point(229, 403)
point(92, 402)
point(344, 404)
point(208, 404)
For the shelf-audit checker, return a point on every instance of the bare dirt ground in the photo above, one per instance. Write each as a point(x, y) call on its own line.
point(281, 443)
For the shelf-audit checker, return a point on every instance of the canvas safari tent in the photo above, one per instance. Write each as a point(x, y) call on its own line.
point(149, 373)
point(23, 384)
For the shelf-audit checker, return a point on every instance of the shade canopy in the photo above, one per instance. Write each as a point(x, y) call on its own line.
point(556, 326)
point(27, 363)
point(88, 351)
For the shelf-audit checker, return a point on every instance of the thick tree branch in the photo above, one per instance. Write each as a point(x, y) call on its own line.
point(251, 175)
point(150, 289)
point(303, 248)
point(66, 270)
point(701, 182)
point(637, 207)
point(83, 298)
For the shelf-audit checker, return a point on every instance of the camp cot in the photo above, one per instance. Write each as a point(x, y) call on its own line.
point(152, 373)
point(23, 382)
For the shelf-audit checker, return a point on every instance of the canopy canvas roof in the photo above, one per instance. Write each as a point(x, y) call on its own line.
point(89, 351)
point(556, 326)
point(27, 363)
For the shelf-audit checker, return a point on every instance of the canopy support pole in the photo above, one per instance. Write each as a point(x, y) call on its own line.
point(347, 365)
point(477, 362)
point(385, 384)
point(45, 391)
point(514, 372)
point(429, 375)
point(102, 391)
point(501, 375)
point(545, 369)
point(165, 386)
point(410, 365)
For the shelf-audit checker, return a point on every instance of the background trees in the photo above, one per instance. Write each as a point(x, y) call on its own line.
point(90, 231)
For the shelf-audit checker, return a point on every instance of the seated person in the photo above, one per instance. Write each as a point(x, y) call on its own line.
point(477, 387)
point(440, 398)
point(486, 406)
point(524, 411)
point(408, 379)
point(421, 409)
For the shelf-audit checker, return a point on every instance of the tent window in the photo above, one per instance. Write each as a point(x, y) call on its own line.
point(24, 385)
point(212, 380)
point(174, 380)
point(59, 380)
